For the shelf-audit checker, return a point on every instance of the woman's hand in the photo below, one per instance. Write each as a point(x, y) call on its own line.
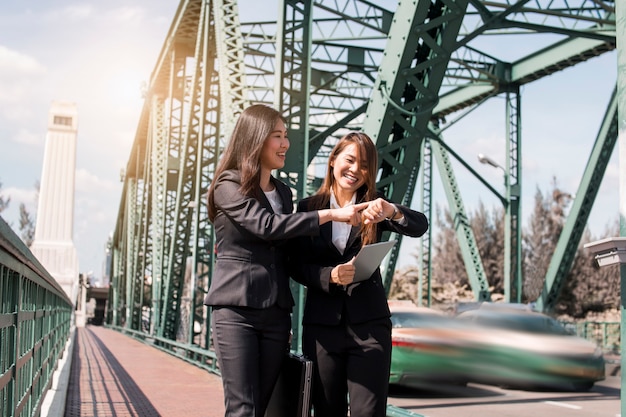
point(349, 214)
point(379, 210)
point(343, 274)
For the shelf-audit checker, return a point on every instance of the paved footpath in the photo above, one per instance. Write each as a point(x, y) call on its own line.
point(113, 374)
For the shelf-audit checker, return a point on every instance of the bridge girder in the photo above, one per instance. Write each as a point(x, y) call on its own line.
point(396, 70)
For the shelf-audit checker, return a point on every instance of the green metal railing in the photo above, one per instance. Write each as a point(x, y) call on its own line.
point(606, 334)
point(35, 321)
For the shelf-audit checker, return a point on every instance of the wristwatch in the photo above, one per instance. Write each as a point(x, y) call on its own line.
point(395, 211)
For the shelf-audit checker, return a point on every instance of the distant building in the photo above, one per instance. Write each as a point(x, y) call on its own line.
point(106, 264)
point(53, 244)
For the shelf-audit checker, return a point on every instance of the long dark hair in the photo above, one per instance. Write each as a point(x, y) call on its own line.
point(366, 150)
point(243, 152)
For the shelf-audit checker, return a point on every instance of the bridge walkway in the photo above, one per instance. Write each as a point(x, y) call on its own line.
point(113, 374)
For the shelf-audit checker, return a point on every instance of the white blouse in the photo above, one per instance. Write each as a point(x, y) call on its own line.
point(275, 201)
point(341, 231)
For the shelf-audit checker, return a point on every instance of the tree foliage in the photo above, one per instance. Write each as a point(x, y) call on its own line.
point(540, 239)
point(588, 287)
point(447, 261)
point(488, 228)
point(26, 226)
point(4, 201)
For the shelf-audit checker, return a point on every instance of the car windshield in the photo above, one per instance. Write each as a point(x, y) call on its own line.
point(533, 323)
point(410, 319)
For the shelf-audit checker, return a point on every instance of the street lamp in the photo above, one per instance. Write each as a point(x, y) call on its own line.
point(484, 159)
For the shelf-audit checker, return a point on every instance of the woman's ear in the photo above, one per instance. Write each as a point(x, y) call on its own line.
point(331, 160)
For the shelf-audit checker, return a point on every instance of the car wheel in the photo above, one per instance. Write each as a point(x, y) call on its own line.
point(583, 386)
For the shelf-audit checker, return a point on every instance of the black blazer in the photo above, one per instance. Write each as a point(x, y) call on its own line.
point(251, 265)
point(313, 258)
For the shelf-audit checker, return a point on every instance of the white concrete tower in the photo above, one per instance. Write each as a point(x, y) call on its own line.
point(53, 244)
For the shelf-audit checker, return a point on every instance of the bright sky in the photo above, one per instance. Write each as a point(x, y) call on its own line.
point(97, 54)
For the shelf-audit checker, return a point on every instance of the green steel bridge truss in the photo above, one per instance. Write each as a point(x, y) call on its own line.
point(398, 70)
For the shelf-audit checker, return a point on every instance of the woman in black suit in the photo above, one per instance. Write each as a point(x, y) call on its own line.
point(346, 325)
point(249, 291)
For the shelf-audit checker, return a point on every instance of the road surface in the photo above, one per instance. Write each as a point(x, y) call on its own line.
point(474, 400)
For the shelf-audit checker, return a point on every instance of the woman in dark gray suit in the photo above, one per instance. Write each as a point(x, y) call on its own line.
point(251, 212)
point(346, 325)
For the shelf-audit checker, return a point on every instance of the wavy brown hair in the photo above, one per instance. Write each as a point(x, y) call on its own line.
point(243, 152)
point(366, 151)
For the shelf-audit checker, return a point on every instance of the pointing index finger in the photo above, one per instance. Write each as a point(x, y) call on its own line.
point(361, 206)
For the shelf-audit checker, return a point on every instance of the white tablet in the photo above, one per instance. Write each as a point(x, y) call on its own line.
point(369, 258)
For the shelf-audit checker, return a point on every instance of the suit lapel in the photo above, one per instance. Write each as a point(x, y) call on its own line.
point(326, 234)
point(354, 235)
point(265, 202)
point(284, 194)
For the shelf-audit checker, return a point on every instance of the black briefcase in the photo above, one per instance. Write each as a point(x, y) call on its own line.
point(292, 393)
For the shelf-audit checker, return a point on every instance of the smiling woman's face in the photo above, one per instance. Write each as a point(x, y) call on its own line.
point(347, 171)
point(275, 148)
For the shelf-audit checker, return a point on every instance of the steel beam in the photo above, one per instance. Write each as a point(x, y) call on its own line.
point(563, 257)
point(465, 234)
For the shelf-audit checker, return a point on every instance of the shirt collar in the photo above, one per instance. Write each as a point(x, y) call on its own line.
point(333, 200)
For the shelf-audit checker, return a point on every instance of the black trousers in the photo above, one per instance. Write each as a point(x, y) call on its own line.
point(352, 363)
point(250, 345)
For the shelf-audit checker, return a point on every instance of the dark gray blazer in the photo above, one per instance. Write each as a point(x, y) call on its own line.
point(251, 265)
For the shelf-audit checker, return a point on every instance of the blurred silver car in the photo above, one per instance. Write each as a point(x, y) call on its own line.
point(531, 349)
point(510, 347)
